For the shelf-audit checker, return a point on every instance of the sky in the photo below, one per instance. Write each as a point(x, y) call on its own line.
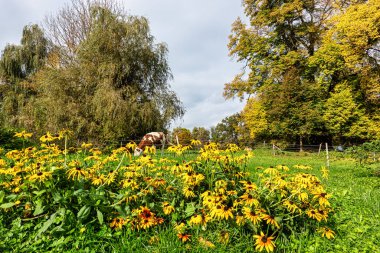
point(196, 33)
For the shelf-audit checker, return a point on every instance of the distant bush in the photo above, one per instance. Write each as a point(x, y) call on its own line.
point(367, 153)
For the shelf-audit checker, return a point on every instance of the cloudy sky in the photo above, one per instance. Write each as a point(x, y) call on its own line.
point(196, 33)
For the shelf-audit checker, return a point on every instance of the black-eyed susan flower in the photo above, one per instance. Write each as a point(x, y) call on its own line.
point(314, 214)
point(252, 215)
point(196, 219)
point(322, 198)
point(188, 192)
point(76, 173)
point(240, 220)
point(97, 180)
point(291, 206)
point(249, 200)
point(23, 135)
point(224, 237)
point(180, 228)
point(327, 232)
point(270, 219)
point(118, 223)
point(183, 237)
point(325, 172)
point(40, 176)
point(167, 208)
point(264, 242)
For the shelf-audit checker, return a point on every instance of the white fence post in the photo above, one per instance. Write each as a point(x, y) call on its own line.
point(327, 156)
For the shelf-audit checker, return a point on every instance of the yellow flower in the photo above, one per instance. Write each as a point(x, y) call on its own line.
point(221, 212)
point(249, 200)
point(314, 214)
point(40, 176)
point(252, 215)
point(264, 242)
point(206, 243)
point(240, 220)
point(76, 172)
point(23, 135)
point(195, 142)
point(184, 237)
point(325, 172)
point(168, 209)
point(224, 237)
point(291, 206)
point(86, 145)
point(325, 231)
point(118, 223)
point(180, 228)
point(322, 198)
point(187, 191)
point(271, 220)
point(97, 180)
point(48, 137)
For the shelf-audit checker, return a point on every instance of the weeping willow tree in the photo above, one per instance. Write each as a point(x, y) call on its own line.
point(111, 81)
point(17, 64)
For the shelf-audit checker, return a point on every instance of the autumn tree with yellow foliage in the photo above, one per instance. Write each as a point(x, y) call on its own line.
point(306, 62)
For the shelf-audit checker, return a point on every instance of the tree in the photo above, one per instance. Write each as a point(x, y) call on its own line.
point(17, 64)
point(105, 78)
point(345, 118)
point(183, 135)
point(296, 52)
point(254, 116)
point(227, 131)
point(201, 133)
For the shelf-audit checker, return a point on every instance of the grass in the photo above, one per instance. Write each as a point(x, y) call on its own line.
point(356, 200)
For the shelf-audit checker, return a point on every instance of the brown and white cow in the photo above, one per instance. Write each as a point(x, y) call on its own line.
point(150, 139)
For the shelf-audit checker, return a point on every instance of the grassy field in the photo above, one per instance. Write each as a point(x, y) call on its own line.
point(356, 198)
point(356, 220)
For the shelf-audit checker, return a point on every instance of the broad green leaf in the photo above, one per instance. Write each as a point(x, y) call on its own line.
point(84, 212)
point(7, 205)
point(100, 216)
point(190, 209)
point(47, 224)
point(39, 208)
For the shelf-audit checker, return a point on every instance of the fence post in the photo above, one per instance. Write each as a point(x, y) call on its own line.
point(319, 150)
point(176, 137)
point(273, 151)
point(327, 156)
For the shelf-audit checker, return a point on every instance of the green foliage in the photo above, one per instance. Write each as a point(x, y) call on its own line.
point(229, 130)
point(9, 141)
point(294, 64)
point(366, 153)
point(183, 134)
point(111, 84)
point(200, 133)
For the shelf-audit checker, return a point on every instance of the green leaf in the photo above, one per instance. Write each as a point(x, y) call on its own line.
point(84, 212)
point(39, 193)
point(47, 224)
point(2, 195)
point(39, 208)
point(7, 205)
point(190, 209)
point(100, 216)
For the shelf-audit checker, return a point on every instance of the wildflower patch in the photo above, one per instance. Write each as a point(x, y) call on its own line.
point(193, 197)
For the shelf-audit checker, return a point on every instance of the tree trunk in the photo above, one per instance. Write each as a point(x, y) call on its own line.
point(301, 144)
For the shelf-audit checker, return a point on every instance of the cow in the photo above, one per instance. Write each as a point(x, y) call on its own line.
point(150, 139)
